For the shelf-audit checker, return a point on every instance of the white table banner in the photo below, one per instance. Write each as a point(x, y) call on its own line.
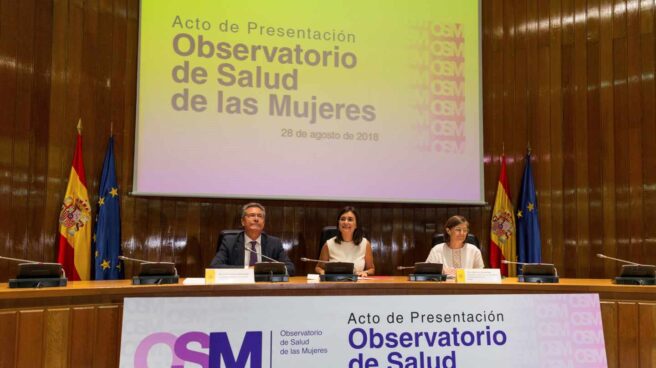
point(554, 330)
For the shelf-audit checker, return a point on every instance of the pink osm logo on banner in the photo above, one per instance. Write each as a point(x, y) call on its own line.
point(445, 76)
point(570, 331)
point(216, 344)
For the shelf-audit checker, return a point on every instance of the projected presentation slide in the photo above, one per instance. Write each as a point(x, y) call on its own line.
point(368, 100)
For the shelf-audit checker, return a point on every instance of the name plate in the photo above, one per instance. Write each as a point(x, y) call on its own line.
point(479, 275)
point(229, 276)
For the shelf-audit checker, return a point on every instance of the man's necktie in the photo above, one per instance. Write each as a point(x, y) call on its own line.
point(253, 259)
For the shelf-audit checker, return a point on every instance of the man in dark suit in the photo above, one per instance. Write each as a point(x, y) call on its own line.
point(249, 246)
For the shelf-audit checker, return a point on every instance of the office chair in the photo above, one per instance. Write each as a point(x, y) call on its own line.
point(330, 231)
point(471, 239)
point(326, 233)
point(224, 233)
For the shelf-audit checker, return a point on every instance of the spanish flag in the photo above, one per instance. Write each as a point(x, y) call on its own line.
point(75, 220)
point(502, 234)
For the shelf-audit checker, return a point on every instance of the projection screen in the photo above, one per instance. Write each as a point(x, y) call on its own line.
point(350, 100)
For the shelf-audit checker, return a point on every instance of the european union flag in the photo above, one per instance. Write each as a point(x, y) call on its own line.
point(529, 246)
point(107, 235)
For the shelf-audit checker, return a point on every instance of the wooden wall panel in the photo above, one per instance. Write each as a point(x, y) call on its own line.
point(628, 319)
point(8, 324)
point(108, 340)
point(29, 341)
point(647, 334)
point(629, 333)
point(611, 333)
point(607, 127)
point(83, 323)
point(57, 333)
point(648, 96)
point(572, 78)
point(594, 134)
point(65, 336)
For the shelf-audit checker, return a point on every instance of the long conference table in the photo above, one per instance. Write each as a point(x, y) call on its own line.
point(80, 325)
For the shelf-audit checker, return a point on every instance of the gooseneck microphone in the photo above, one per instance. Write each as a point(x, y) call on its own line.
point(20, 260)
point(151, 270)
point(536, 272)
point(153, 273)
point(154, 268)
point(262, 255)
point(618, 260)
point(124, 258)
point(271, 275)
point(633, 273)
point(335, 270)
point(303, 259)
point(36, 262)
point(36, 274)
point(401, 268)
point(525, 263)
point(425, 271)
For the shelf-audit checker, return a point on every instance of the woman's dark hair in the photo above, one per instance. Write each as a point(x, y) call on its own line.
point(357, 234)
point(452, 222)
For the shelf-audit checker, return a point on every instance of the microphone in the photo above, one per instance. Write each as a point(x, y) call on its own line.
point(36, 274)
point(124, 258)
point(619, 260)
point(153, 273)
point(19, 260)
point(425, 271)
point(633, 273)
point(401, 268)
point(303, 259)
point(153, 269)
point(52, 264)
point(525, 263)
point(335, 270)
point(263, 255)
point(267, 258)
point(536, 271)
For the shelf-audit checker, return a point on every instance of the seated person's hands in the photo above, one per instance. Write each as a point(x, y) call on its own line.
point(449, 271)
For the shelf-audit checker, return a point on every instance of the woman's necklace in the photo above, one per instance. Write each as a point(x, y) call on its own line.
point(456, 257)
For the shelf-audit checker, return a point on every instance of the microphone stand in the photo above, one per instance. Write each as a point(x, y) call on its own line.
point(633, 273)
point(35, 274)
point(539, 273)
point(338, 276)
point(428, 274)
point(269, 275)
point(153, 273)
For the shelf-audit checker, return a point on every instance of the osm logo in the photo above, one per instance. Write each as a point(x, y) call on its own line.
point(219, 351)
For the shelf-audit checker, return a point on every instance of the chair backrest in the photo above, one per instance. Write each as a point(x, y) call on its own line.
point(224, 233)
point(471, 239)
point(326, 233)
point(330, 231)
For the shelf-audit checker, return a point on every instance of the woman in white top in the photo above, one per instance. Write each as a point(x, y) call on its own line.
point(349, 245)
point(454, 253)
